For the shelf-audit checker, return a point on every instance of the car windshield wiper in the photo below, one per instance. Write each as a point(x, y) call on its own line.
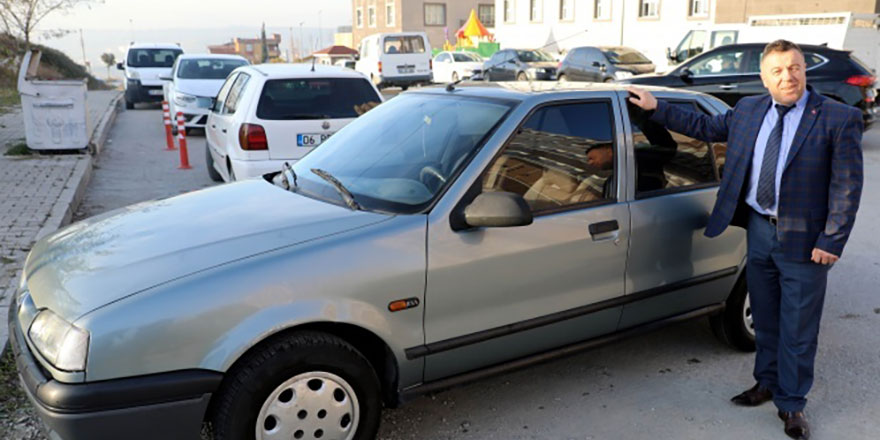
point(346, 195)
point(305, 116)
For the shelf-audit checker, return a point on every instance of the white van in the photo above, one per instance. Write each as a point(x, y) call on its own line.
point(143, 65)
point(396, 59)
point(839, 30)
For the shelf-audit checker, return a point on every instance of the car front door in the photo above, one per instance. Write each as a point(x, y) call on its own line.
point(724, 73)
point(496, 294)
point(225, 124)
point(672, 267)
point(213, 136)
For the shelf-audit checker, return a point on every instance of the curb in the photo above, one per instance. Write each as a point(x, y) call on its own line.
point(71, 196)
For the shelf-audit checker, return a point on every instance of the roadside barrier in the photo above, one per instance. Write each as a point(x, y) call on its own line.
point(181, 137)
point(166, 116)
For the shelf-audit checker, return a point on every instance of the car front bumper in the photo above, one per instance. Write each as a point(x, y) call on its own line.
point(161, 406)
point(135, 91)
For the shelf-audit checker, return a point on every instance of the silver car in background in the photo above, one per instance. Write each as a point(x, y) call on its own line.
point(445, 235)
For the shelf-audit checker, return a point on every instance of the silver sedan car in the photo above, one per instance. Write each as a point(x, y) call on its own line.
point(445, 235)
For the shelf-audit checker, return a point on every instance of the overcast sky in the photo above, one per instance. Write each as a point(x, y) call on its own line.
point(157, 14)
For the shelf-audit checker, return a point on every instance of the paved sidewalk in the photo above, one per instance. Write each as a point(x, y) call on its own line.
point(39, 193)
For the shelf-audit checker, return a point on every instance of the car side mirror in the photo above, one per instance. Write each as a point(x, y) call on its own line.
point(670, 55)
point(119, 66)
point(165, 77)
point(599, 65)
point(511, 61)
point(357, 57)
point(498, 210)
point(687, 75)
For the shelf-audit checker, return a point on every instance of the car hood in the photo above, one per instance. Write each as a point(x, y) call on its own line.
point(469, 65)
point(199, 87)
point(149, 76)
point(637, 68)
point(542, 64)
point(108, 257)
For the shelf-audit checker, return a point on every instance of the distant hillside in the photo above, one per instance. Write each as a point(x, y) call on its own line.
point(53, 64)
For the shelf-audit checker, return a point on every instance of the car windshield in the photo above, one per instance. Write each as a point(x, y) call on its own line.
point(315, 98)
point(463, 57)
point(531, 56)
point(152, 57)
point(401, 155)
point(624, 55)
point(207, 68)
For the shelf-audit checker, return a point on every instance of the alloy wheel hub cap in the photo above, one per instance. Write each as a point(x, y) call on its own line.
point(747, 317)
point(313, 405)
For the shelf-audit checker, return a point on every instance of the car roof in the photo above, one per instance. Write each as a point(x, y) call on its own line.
point(804, 47)
point(303, 70)
point(521, 90)
point(212, 56)
point(154, 46)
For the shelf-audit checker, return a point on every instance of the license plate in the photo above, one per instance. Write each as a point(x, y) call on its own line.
point(311, 140)
point(406, 70)
point(154, 92)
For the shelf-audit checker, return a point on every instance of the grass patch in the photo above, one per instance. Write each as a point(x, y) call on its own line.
point(9, 97)
point(10, 388)
point(18, 149)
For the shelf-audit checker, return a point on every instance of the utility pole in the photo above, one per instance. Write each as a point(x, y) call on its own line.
point(290, 32)
point(320, 31)
point(82, 45)
point(131, 27)
point(622, 19)
point(302, 43)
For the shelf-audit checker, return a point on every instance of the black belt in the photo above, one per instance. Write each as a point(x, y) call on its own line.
point(773, 220)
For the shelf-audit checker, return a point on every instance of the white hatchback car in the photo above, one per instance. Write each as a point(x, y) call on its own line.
point(452, 66)
point(269, 114)
point(193, 83)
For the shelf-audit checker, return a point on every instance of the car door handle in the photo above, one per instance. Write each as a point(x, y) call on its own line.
point(223, 130)
point(604, 227)
point(213, 126)
point(727, 86)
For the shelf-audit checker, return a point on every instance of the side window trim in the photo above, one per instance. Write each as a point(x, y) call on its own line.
point(220, 99)
point(615, 108)
point(244, 78)
point(630, 148)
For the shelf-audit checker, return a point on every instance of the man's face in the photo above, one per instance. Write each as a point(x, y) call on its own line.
point(601, 158)
point(783, 73)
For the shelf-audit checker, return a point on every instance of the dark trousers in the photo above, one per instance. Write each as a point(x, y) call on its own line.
point(786, 300)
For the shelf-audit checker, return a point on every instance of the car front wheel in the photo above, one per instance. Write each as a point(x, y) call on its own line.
point(735, 326)
point(304, 385)
point(212, 172)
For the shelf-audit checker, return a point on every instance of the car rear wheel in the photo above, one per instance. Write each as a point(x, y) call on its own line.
point(563, 78)
point(735, 326)
point(304, 385)
point(522, 77)
point(454, 76)
point(209, 160)
point(129, 105)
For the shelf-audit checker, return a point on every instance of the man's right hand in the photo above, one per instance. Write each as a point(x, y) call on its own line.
point(643, 98)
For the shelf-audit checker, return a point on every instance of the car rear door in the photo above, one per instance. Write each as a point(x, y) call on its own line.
point(496, 294)
point(672, 267)
point(225, 122)
point(728, 74)
point(214, 137)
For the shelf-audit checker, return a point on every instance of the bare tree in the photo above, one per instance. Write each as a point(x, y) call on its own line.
point(23, 16)
point(109, 59)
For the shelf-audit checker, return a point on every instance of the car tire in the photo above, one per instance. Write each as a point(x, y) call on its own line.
point(734, 326)
point(454, 76)
point(562, 78)
point(608, 80)
point(522, 76)
point(212, 172)
point(276, 388)
point(173, 128)
point(129, 105)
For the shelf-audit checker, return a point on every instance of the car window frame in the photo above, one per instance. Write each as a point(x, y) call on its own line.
point(746, 51)
point(631, 180)
point(241, 91)
point(615, 136)
point(219, 101)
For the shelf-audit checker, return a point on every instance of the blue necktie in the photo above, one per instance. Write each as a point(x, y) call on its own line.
point(766, 193)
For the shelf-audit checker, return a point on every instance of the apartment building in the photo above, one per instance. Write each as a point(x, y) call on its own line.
point(439, 19)
point(250, 48)
point(738, 11)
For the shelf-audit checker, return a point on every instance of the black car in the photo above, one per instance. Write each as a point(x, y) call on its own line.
point(603, 64)
point(732, 72)
point(519, 65)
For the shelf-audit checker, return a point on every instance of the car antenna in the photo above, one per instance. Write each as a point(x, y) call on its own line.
point(451, 86)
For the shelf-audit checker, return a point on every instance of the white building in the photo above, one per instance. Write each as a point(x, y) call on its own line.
point(649, 26)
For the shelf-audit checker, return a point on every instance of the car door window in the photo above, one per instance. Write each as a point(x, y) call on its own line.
point(692, 45)
point(223, 93)
point(727, 62)
point(721, 38)
point(562, 156)
point(668, 161)
point(595, 57)
point(442, 58)
point(235, 94)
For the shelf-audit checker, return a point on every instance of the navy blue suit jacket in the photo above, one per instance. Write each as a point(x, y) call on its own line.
point(822, 180)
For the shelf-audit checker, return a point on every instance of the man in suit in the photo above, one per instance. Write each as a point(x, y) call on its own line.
point(793, 179)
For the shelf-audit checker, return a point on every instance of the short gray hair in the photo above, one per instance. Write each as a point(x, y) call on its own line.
point(781, 46)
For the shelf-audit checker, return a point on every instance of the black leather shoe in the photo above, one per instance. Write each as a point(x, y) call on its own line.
point(796, 425)
point(754, 396)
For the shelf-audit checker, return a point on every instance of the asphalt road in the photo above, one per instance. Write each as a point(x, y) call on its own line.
point(670, 384)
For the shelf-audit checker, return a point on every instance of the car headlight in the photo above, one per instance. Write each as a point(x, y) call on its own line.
point(183, 99)
point(133, 74)
point(61, 343)
point(622, 74)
